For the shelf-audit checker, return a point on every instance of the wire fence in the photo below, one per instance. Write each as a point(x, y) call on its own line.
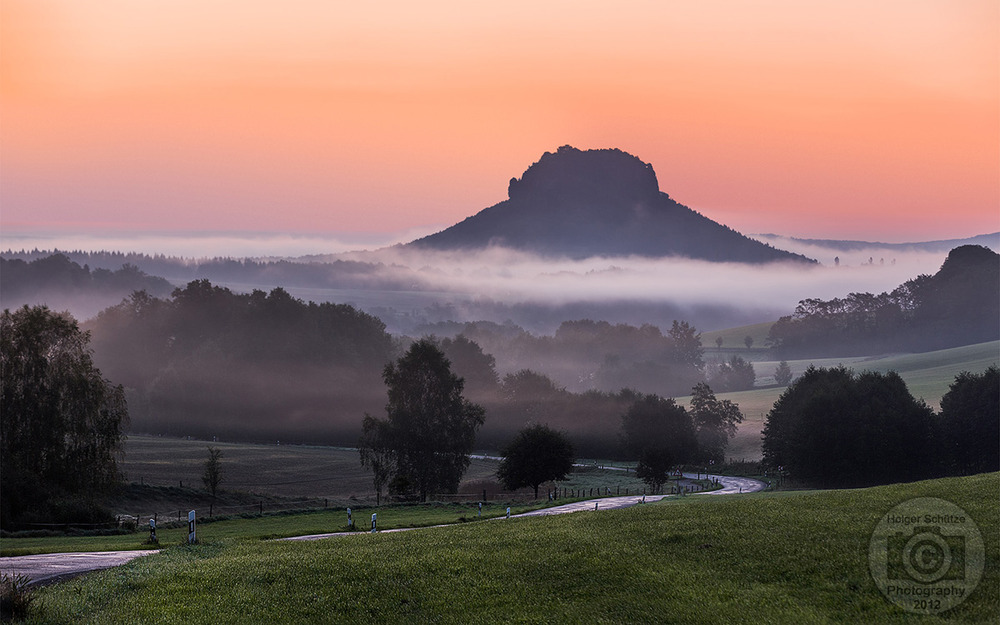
point(132, 522)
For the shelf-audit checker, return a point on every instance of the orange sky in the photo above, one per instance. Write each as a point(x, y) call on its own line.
point(865, 120)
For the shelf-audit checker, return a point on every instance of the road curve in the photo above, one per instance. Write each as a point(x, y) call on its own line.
point(52, 567)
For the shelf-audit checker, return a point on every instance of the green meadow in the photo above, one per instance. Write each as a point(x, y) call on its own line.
point(296, 523)
point(782, 557)
point(927, 375)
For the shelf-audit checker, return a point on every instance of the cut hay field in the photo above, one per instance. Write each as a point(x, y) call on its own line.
point(927, 375)
point(786, 557)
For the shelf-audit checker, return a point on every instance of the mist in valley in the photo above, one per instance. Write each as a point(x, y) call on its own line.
point(240, 358)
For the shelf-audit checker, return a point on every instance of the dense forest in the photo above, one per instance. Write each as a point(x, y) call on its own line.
point(959, 305)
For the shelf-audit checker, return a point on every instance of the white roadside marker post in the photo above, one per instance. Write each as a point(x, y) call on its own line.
point(152, 530)
point(192, 537)
point(595, 506)
point(508, 512)
point(373, 522)
point(480, 509)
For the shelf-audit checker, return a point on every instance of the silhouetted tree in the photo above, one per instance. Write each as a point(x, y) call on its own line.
point(213, 471)
point(718, 342)
point(654, 467)
point(61, 422)
point(537, 454)
point(748, 341)
point(653, 422)
point(970, 419)
point(834, 428)
point(377, 454)
point(431, 427)
point(715, 422)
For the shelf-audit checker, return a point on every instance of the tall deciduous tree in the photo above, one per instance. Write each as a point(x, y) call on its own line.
point(430, 427)
point(213, 471)
point(61, 423)
point(715, 422)
point(654, 467)
point(537, 454)
point(653, 422)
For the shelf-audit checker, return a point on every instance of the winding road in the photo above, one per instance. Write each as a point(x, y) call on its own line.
point(52, 567)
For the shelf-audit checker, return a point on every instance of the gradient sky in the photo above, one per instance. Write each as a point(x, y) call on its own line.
point(875, 120)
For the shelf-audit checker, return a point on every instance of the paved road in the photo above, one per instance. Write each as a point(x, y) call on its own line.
point(52, 567)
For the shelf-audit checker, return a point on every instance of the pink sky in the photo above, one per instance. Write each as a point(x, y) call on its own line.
point(862, 120)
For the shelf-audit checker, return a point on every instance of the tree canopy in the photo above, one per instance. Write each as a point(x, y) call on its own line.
point(62, 422)
point(832, 427)
point(430, 427)
point(537, 454)
point(255, 366)
point(970, 418)
point(715, 422)
point(653, 422)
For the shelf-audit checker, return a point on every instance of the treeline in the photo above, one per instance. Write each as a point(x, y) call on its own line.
point(959, 305)
point(586, 355)
point(257, 366)
point(61, 283)
point(266, 366)
point(333, 274)
point(835, 428)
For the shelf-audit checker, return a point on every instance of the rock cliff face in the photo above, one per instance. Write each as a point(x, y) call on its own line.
point(579, 203)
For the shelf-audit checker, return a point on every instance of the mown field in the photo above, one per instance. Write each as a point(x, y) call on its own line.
point(287, 471)
point(927, 375)
point(791, 557)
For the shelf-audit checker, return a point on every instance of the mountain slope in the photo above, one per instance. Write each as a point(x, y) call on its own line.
point(579, 203)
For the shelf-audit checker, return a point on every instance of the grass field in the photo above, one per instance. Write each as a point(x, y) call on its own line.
point(285, 470)
point(927, 375)
point(268, 526)
point(289, 471)
point(763, 558)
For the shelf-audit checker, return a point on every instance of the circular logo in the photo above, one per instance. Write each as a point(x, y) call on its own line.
point(926, 555)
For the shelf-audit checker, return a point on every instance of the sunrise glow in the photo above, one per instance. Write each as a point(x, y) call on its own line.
point(877, 121)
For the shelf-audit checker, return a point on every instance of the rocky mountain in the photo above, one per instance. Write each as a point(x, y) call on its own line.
point(582, 203)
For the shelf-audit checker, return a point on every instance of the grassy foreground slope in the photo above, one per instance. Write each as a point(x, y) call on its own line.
point(792, 557)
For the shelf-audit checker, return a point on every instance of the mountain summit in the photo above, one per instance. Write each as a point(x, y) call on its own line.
point(581, 203)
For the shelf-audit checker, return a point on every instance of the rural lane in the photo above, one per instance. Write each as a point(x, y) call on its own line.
point(52, 567)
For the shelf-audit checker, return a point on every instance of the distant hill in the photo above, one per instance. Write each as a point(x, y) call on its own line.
point(959, 305)
point(991, 241)
point(579, 204)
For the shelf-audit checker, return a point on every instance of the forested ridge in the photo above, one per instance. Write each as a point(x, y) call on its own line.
point(959, 305)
